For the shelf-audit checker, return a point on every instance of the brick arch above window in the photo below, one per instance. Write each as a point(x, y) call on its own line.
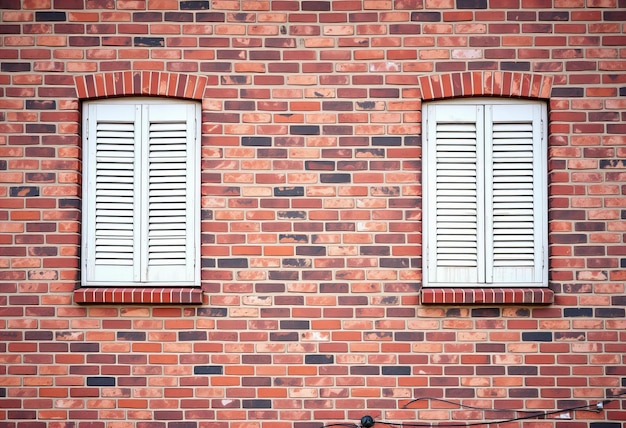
point(147, 83)
point(485, 83)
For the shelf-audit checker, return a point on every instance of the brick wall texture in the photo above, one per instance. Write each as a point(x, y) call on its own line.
point(311, 209)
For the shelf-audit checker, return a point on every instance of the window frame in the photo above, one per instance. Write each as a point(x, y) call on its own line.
point(540, 191)
point(192, 182)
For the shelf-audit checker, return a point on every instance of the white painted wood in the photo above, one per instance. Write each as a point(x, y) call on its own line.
point(141, 196)
point(484, 193)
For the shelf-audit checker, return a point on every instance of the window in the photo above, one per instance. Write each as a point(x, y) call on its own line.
point(141, 193)
point(485, 185)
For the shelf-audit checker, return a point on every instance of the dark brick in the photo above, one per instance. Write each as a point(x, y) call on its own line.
point(523, 370)
point(41, 104)
point(147, 17)
point(11, 4)
point(283, 275)
point(272, 153)
point(178, 17)
point(50, 16)
point(284, 336)
point(365, 370)
point(566, 92)
point(523, 393)
point(192, 335)
point(289, 191)
point(515, 66)
point(304, 130)
point(40, 128)
point(133, 336)
point(149, 41)
point(38, 335)
point(485, 312)
point(426, 16)
point(610, 312)
point(578, 312)
point(612, 163)
point(212, 312)
point(409, 336)
point(335, 178)
point(471, 4)
point(14, 67)
point(100, 381)
point(9, 29)
point(315, 5)
point(194, 5)
point(295, 325)
point(70, 203)
point(232, 263)
point(200, 370)
point(614, 16)
point(396, 370)
point(386, 141)
point(256, 141)
point(256, 404)
point(394, 263)
point(319, 359)
point(23, 191)
point(537, 336)
point(211, 17)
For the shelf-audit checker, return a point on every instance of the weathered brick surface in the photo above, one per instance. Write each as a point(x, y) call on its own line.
point(311, 205)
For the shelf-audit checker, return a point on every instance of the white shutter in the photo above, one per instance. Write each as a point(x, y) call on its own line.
point(515, 252)
point(484, 174)
point(454, 199)
point(141, 216)
point(111, 194)
point(170, 199)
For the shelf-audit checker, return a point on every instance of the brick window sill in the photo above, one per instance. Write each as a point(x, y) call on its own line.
point(478, 296)
point(134, 295)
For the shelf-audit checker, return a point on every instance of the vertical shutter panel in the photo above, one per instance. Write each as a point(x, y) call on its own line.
point(170, 207)
point(515, 251)
point(456, 203)
point(113, 194)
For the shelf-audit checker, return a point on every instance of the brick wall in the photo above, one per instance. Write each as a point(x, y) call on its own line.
point(311, 310)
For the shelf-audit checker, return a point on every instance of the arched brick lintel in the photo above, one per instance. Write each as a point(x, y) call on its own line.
point(486, 83)
point(152, 83)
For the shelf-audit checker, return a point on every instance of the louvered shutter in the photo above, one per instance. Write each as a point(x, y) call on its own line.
point(169, 215)
point(455, 202)
point(110, 242)
point(483, 194)
point(141, 215)
point(515, 203)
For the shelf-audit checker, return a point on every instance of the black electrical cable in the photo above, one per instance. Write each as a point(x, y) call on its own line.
point(473, 424)
point(465, 406)
point(368, 422)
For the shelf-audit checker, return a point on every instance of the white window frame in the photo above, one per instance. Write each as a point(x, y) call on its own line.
point(438, 273)
point(175, 256)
